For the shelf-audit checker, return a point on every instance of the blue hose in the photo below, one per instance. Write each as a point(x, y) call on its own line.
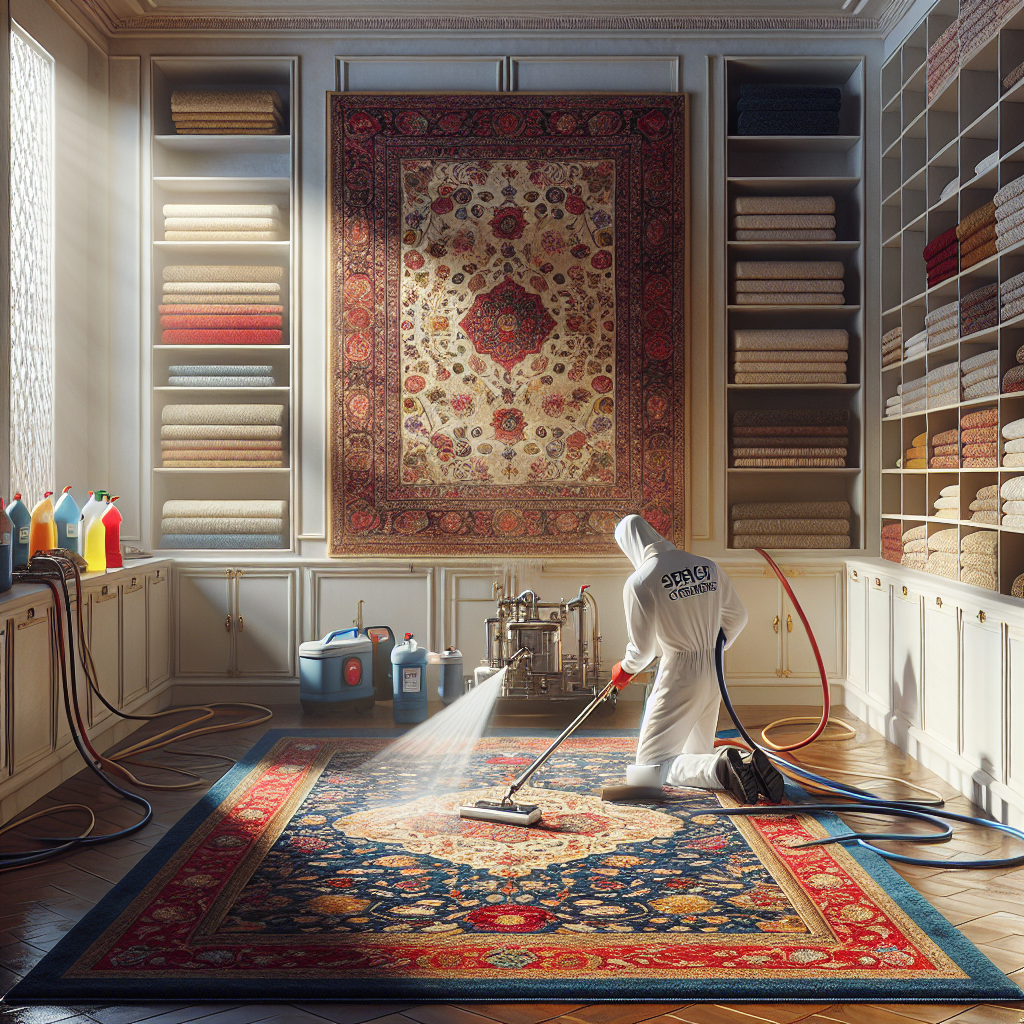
point(865, 803)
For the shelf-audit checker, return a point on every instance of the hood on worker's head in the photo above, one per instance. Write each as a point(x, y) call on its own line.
point(636, 536)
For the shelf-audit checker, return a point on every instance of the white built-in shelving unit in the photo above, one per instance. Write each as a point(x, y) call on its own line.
point(796, 165)
point(235, 169)
point(924, 147)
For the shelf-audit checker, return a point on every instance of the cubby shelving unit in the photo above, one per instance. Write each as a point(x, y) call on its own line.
point(924, 147)
point(786, 165)
point(233, 169)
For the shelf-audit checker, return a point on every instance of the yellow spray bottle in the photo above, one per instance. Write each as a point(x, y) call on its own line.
point(94, 534)
point(42, 534)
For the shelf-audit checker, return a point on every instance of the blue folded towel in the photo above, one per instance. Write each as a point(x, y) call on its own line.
point(790, 97)
point(219, 370)
point(221, 382)
point(195, 541)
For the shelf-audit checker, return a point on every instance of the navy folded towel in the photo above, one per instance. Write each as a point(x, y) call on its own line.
point(790, 97)
point(795, 122)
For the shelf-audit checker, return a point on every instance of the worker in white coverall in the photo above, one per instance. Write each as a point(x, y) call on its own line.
point(679, 602)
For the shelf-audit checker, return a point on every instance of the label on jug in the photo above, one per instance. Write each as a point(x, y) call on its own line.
point(72, 529)
point(5, 540)
point(23, 535)
point(410, 680)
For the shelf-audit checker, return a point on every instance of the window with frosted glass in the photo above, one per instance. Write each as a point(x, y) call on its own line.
point(31, 191)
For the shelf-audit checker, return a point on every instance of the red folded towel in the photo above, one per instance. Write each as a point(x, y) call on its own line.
point(201, 337)
point(213, 323)
point(936, 245)
point(215, 309)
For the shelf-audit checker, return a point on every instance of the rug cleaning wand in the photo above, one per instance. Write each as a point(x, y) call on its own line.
point(507, 811)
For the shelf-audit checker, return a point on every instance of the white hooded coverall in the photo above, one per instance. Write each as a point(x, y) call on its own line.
point(678, 601)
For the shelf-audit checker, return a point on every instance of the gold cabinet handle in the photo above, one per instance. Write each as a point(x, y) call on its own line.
point(904, 591)
point(775, 623)
point(938, 601)
point(227, 623)
point(981, 616)
point(789, 623)
point(241, 624)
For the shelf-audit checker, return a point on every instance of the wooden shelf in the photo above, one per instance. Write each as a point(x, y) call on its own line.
point(226, 143)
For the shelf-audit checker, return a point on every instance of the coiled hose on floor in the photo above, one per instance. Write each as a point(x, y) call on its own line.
point(930, 811)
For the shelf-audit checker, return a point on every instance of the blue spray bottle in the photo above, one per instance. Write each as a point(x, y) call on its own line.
point(66, 514)
point(21, 517)
point(6, 540)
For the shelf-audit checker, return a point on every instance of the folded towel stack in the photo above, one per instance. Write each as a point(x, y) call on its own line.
point(943, 325)
point(979, 439)
point(220, 524)
point(947, 504)
point(788, 110)
point(940, 256)
point(218, 222)
point(222, 306)
point(943, 60)
point(223, 436)
point(916, 345)
point(976, 234)
point(979, 375)
point(789, 283)
point(939, 386)
point(915, 548)
point(943, 547)
point(788, 439)
point(220, 375)
point(1011, 297)
point(1013, 379)
point(1013, 444)
point(892, 346)
point(979, 22)
point(979, 557)
point(985, 507)
point(979, 310)
point(1012, 495)
point(916, 456)
point(791, 524)
point(1009, 204)
point(790, 357)
point(1014, 77)
point(219, 112)
point(784, 219)
point(892, 542)
point(945, 453)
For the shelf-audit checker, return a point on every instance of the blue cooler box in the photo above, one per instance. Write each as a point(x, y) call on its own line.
point(336, 673)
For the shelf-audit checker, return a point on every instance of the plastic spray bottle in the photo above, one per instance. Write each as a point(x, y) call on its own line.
point(22, 519)
point(42, 528)
point(6, 545)
point(94, 534)
point(112, 525)
point(66, 513)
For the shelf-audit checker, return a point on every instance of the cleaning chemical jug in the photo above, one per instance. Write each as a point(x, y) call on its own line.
point(6, 546)
point(452, 685)
point(22, 520)
point(42, 528)
point(112, 524)
point(66, 514)
point(336, 673)
point(94, 534)
point(408, 672)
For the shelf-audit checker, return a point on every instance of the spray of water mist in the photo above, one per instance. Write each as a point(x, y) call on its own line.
point(440, 748)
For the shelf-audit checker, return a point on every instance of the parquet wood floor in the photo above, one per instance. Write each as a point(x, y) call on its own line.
point(39, 905)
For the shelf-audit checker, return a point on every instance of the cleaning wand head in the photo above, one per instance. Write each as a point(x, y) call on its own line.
point(504, 813)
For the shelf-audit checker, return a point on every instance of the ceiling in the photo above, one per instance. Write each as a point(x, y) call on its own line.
point(824, 15)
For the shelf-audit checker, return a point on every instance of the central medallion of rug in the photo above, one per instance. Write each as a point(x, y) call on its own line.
point(507, 321)
point(318, 870)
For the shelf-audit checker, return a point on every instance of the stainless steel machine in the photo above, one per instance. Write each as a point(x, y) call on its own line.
point(552, 648)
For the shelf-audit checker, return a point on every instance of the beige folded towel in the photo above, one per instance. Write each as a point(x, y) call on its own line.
point(222, 524)
point(742, 356)
point(258, 508)
point(220, 431)
point(790, 378)
point(222, 224)
point(222, 210)
point(223, 273)
point(221, 287)
point(767, 270)
point(788, 299)
point(224, 415)
point(783, 222)
point(834, 287)
point(222, 236)
point(783, 204)
point(253, 100)
point(823, 339)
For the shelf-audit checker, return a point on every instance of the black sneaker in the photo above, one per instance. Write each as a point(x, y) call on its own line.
point(771, 784)
point(737, 776)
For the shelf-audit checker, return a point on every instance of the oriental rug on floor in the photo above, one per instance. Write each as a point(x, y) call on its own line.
point(305, 873)
point(508, 301)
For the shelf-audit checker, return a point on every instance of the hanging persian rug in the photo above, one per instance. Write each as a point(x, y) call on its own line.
point(508, 285)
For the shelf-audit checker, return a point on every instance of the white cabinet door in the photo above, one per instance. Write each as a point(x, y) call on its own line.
point(820, 596)
point(1015, 708)
point(906, 657)
point(203, 645)
point(105, 642)
point(32, 687)
point(879, 639)
point(856, 628)
point(757, 652)
point(942, 670)
point(401, 600)
point(158, 627)
point(265, 643)
point(470, 598)
point(133, 637)
point(982, 702)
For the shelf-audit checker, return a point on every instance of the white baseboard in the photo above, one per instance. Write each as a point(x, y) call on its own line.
point(263, 691)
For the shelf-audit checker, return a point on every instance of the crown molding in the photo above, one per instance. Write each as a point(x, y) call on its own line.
point(113, 24)
point(893, 15)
